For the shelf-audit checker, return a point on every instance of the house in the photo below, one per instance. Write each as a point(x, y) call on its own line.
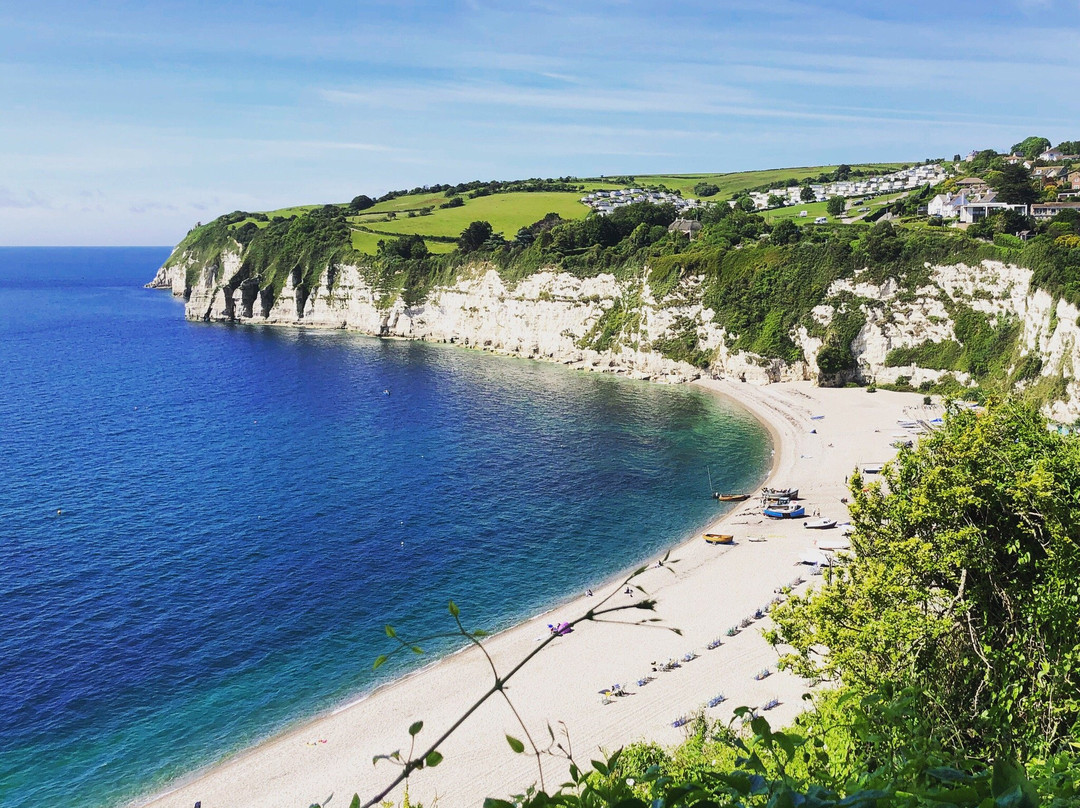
point(946, 205)
point(1048, 210)
point(1074, 180)
point(971, 156)
point(979, 207)
point(1052, 155)
point(688, 227)
point(972, 185)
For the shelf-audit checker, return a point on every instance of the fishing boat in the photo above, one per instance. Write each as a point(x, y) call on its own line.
point(719, 538)
point(873, 468)
point(819, 524)
point(731, 497)
point(780, 493)
point(784, 510)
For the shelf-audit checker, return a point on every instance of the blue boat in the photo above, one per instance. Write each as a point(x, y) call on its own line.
point(785, 510)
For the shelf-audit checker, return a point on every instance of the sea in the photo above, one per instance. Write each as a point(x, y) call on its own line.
point(205, 528)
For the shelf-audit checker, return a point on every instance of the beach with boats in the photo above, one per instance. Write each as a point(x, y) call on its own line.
point(610, 682)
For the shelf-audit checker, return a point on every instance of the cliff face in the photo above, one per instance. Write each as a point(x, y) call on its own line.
point(560, 317)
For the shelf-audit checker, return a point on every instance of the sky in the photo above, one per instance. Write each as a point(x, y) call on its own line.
point(125, 123)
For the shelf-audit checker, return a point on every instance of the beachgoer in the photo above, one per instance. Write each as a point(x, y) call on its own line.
point(588, 593)
point(629, 592)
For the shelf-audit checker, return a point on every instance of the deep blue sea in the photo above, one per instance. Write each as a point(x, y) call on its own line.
point(204, 528)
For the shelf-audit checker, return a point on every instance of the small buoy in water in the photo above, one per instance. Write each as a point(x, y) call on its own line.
point(59, 512)
point(386, 392)
point(403, 544)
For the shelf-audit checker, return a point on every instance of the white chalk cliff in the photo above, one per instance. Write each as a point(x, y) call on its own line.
point(550, 315)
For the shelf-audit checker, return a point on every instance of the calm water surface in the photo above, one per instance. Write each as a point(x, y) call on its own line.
point(243, 508)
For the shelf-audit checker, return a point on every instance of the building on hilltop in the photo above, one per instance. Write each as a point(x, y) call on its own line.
point(979, 207)
point(688, 227)
point(1048, 210)
point(947, 206)
point(972, 185)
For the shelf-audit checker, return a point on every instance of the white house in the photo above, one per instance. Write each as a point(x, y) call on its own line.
point(1052, 154)
point(946, 205)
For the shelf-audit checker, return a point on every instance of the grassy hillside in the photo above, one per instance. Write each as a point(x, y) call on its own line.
point(507, 213)
point(732, 183)
point(419, 213)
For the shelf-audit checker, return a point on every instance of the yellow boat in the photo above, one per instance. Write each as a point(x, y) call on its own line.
point(719, 538)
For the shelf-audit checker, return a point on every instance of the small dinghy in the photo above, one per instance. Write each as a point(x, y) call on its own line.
point(819, 524)
point(719, 538)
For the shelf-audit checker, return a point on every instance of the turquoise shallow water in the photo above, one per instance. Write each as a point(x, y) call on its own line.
point(243, 509)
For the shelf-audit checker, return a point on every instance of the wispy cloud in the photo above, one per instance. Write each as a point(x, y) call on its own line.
point(25, 200)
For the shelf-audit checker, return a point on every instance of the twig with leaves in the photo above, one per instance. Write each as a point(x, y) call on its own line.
point(430, 757)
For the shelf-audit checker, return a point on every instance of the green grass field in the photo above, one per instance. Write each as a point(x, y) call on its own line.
point(507, 213)
point(369, 243)
point(813, 210)
point(730, 184)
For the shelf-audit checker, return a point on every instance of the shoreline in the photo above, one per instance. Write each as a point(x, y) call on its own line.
point(332, 752)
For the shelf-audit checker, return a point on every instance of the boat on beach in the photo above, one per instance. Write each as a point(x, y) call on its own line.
point(780, 493)
point(873, 468)
point(784, 510)
point(731, 497)
point(819, 524)
point(719, 538)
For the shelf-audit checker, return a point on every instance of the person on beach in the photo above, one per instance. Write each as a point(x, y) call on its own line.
point(629, 592)
point(588, 593)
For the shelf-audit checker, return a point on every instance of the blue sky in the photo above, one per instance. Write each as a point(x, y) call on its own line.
point(125, 123)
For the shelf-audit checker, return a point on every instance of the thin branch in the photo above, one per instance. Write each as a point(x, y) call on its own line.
point(413, 765)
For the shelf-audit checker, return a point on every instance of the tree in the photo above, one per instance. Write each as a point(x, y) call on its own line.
point(882, 244)
point(1031, 147)
point(842, 172)
point(807, 194)
point(406, 247)
point(362, 202)
point(1069, 146)
point(1013, 185)
point(835, 205)
point(745, 203)
point(785, 231)
point(961, 585)
point(706, 189)
point(472, 238)
point(775, 201)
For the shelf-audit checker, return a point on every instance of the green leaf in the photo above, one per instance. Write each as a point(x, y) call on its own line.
point(390, 631)
point(454, 610)
point(355, 801)
point(379, 661)
point(491, 802)
point(515, 744)
point(415, 728)
point(600, 767)
point(433, 759)
point(416, 649)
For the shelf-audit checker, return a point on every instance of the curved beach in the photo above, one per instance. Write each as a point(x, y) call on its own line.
point(702, 590)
